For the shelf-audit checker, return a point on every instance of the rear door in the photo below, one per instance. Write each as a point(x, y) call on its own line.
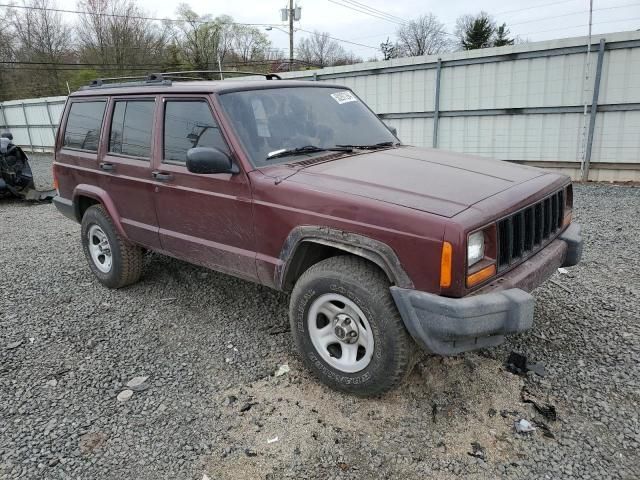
point(204, 219)
point(125, 164)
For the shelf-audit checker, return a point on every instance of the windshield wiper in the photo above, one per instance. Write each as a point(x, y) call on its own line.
point(287, 152)
point(371, 147)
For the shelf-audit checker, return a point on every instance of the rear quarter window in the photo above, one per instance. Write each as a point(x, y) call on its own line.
point(83, 127)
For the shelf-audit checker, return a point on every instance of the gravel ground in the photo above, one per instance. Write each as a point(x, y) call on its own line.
point(211, 405)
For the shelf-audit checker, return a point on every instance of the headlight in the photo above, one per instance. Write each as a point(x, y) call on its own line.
point(475, 248)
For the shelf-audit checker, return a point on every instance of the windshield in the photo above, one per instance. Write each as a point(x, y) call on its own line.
point(275, 119)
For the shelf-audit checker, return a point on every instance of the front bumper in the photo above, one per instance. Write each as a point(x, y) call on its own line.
point(448, 326)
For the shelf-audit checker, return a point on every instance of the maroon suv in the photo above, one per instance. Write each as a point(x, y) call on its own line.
point(300, 187)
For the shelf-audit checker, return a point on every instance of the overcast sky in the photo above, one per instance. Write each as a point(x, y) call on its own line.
point(530, 19)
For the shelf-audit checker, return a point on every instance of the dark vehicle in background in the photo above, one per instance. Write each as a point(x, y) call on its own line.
point(16, 179)
point(386, 249)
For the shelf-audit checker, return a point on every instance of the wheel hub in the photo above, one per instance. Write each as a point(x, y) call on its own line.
point(346, 329)
point(340, 332)
point(99, 249)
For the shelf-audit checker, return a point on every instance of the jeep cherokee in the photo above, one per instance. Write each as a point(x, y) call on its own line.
point(386, 249)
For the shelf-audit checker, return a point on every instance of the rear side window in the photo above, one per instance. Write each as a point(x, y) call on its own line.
point(131, 127)
point(83, 125)
point(189, 124)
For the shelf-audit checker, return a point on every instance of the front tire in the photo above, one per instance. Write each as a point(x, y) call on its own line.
point(113, 260)
point(348, 329)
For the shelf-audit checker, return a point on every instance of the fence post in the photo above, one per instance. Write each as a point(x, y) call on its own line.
point(594, 110)
point(53, 127)
point(436, 105)
point(26, 123)
point(4, 117)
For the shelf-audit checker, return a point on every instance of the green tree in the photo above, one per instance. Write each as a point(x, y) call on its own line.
point(502, 36)
point(389, 49)
point(475, 31)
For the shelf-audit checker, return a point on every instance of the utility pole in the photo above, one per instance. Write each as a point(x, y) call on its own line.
point(291, 15)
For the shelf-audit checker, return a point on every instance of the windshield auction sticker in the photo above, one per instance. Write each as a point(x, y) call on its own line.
point(344, 97)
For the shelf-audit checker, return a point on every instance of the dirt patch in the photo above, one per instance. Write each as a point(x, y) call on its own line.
point(454, 402)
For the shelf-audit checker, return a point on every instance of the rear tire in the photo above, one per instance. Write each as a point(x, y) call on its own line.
point(113, 260)
point(364, 348)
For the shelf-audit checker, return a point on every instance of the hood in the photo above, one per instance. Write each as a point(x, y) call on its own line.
point(435, 181)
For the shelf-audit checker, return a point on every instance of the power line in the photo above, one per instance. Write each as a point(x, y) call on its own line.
point(340, 39)
point(374, 10)
point(572, 13)
point(534, 6)
point(371, 14)
point(130, 17)
point(539, 19)
point(81, 12)
point(582, 25)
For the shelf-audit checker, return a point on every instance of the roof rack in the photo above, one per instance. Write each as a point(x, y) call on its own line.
point(220, 73)
point(165, 78)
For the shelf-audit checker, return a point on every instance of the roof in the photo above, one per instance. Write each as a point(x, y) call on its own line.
point(204, 86)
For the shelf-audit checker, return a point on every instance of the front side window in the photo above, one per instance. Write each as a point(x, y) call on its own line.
point(83, 125)
point(131, 127)
point(189, 124)
point(275, 119)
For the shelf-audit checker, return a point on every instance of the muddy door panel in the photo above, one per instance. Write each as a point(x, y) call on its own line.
point(126, 169)
point(203, 218)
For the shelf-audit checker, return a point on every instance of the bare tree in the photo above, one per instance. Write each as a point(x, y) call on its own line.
point(42, 41)
point(321, 50)
point(7, 45)
point(203, 40)
point(249, 44)
point(115, 34)
point(425, 35)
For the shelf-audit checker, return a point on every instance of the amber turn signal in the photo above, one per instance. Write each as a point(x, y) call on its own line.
point(55, 178)
point(445, 265)
point(481, 275)
point(567, 219)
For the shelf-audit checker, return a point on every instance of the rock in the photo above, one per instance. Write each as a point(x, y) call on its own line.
point(229, 399)
point(91, 441)
point(477, 451)
point(125, 395)
point(14, 345)
point(52, 383)
point(282, 369)
point(250, 453)
point(247, 406)
point(136, 382)
point(524, 426)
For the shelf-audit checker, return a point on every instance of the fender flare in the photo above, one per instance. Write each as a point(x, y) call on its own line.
point(360, 245)
point(97, 193)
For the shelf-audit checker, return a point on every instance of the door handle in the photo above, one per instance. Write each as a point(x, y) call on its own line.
point(162, 177)
point(107, 167)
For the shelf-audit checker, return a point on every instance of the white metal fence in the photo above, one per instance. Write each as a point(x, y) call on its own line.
point(522, 103)
point(33, 122)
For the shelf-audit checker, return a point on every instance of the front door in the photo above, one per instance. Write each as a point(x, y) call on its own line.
point(125, 164)
point(204, 219)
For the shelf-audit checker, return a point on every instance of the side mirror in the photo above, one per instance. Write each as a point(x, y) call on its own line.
point(207, 160)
